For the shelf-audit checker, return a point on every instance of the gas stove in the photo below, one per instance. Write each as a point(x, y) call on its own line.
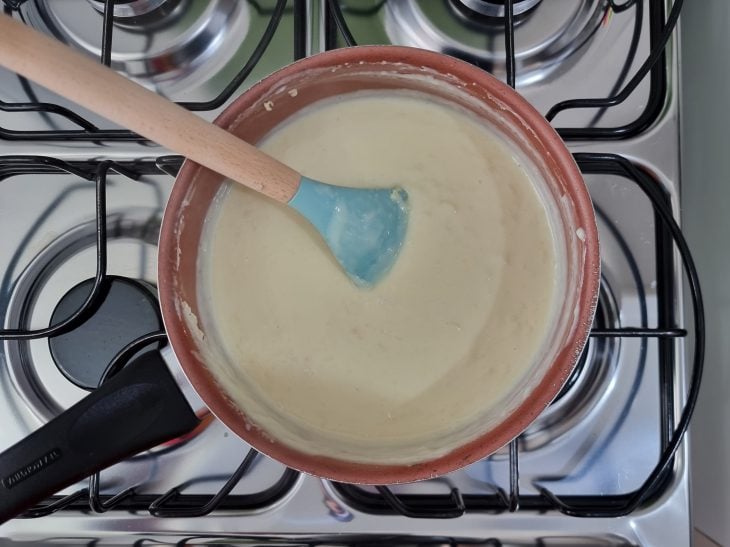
point(80, 210)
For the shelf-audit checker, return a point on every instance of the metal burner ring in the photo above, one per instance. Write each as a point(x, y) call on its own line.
point(33, 372)
point(491, 8)
point(132, 8)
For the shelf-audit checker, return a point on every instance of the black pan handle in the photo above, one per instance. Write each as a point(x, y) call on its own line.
point(136, 409)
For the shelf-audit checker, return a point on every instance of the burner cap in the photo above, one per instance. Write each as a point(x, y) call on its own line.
point(127, 310)
point(495, 8)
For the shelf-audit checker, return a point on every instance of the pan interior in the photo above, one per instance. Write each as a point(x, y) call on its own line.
point(430, 357)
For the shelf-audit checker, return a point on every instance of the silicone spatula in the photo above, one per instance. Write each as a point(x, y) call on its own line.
point(363, 227)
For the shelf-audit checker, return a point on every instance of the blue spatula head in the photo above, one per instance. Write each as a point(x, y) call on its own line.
point(364, 227)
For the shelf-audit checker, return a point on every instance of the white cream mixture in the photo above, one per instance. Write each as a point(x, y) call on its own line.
point(407, 370)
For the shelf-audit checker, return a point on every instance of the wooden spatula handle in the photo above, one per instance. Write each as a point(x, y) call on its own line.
point(103, 91)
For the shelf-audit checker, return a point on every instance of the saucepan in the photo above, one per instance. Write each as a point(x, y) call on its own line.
point(143, 405)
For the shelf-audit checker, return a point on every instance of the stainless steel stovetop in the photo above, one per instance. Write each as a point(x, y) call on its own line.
point(593, 448)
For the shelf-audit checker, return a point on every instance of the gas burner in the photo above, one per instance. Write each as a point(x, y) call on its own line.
point(495, 8)
point(168, 45)
point(49, 284)
point(126, 310)
point(52, 374)
point(548, 38)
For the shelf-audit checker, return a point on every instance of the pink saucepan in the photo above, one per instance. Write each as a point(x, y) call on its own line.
point(143, 405)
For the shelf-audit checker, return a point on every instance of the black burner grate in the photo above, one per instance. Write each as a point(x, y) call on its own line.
point(176, 503)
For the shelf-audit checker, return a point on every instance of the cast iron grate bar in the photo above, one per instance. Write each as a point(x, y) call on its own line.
point(402, 507)
point(107, 29)
point(180, 506)
point(618, 8)
point(160, 507)
point(48, 108)
point(630, 56)
point(187, 505)
point(55, 504)
point(513, 502)
point(300, 29)
point(632, 332)
point(99, 176)
point(509, 41)
point(656, 54)
point(96, 503)
point(514, 476)
point(657, 77)
point(336, 13)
